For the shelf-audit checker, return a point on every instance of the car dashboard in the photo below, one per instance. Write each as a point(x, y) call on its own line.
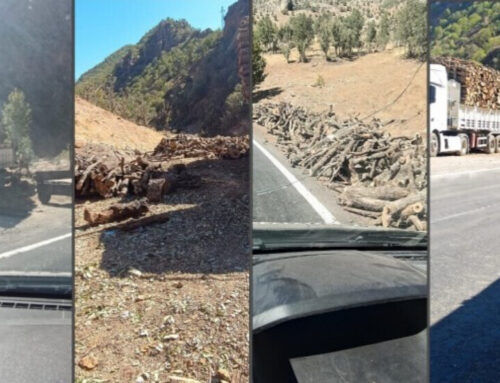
point(339, 315)
point(35, 340)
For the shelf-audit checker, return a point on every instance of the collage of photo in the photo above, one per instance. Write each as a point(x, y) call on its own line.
point(234, 191)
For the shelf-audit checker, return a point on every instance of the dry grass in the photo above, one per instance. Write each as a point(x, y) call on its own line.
point(96, 125)
point(352, 88)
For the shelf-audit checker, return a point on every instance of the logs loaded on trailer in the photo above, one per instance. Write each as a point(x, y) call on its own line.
point(480, 85)
point(376, 176)
point(101, 170)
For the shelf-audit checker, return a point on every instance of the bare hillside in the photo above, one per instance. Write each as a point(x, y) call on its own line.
point(96, 125)
point(352, 88)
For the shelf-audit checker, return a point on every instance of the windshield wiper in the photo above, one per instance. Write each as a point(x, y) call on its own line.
point(37, 286)
point(276, 237)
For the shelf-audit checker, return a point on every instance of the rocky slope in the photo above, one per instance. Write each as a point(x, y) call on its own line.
point(176, 78)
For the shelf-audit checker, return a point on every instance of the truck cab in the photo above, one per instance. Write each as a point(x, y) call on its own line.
point(442, 140)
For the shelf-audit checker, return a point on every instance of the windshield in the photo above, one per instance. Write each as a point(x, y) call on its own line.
point(339, 136)
point(36, 114)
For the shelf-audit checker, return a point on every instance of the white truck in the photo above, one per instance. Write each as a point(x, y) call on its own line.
point(454, 127)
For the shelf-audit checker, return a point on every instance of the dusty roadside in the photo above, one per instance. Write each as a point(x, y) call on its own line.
point(474, 162)
point(167, 302)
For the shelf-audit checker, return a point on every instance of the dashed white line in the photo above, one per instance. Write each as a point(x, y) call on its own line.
point(464, 173)
point(472, 211)
point(318, 207)
point(33, 246)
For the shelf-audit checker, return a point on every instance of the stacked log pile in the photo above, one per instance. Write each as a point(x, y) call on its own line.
point(480, 85)
point(218, 147)
point(106, 172)
point(376, 175)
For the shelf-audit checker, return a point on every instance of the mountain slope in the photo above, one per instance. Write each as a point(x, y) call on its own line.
point(467, 30)
point(175, 78)
point(96, 125)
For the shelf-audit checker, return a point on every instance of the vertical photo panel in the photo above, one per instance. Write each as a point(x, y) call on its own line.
point(162, 217)
point(36, 137)
point(464, 106)
point(339, 267)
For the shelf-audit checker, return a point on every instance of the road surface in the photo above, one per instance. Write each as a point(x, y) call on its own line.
point(465, 274)
point(38, 242)
point(287, 195)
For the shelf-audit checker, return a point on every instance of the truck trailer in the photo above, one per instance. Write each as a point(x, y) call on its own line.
point(455, 127)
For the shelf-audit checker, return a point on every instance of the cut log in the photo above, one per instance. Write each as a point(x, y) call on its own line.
point(116, 212)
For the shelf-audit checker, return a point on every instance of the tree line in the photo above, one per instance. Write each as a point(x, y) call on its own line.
point(15, 127)
point(344, 35)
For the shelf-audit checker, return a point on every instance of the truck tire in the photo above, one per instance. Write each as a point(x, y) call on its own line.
point(464, 145)
point(492, 144)
point(434, 145)
point(44, 194)
point(497, 138)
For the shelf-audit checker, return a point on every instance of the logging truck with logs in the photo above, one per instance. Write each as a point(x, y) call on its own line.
point(457, 128)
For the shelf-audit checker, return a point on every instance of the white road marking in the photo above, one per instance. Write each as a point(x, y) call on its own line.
point(464, 213)
point(33, 246)
point(36, 274)
point(464, 173)
point(312, 200)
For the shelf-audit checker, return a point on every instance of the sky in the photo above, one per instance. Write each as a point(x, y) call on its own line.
point(103, 26)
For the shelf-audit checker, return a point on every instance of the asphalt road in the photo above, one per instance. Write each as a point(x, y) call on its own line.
point(38, 242)
point(274, 197)
point(283, 194)
point(465, 277)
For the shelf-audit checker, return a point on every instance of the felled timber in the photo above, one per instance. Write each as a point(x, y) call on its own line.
point(376, 175)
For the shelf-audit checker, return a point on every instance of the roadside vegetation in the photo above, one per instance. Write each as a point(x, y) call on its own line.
point(15, 128)
point(345, 35)
point(468, 30)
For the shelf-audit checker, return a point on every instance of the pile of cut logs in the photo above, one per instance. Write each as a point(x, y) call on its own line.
point(480, 85)
point(186, 146)
point(106, 172)
point(376, 175)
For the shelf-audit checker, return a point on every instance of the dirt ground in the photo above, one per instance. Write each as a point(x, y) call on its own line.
point(169, 301)
point(93, 124)
point(351, 88)
point(452, 164)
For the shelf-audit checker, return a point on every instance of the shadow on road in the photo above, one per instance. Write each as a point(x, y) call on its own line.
point(207, 230)
point(16, 203)
point(465, 345)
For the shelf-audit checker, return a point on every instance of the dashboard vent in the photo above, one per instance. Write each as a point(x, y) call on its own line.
point(35, 306)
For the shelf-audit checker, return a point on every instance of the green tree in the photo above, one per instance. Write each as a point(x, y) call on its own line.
point(267, 33)
point(354, 22)
point(302, 34)
point(258, 64)
point(324, 33)
point(371, 34)
point(16, 119)
point(285, 37)
point(412, 28)
point(336, 33)
point(384, 30)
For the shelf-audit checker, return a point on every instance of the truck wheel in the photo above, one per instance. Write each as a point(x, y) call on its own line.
point(497, 138)
point(44, 194)
point(434, 149)
point(492, 144)
point(464, 145)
